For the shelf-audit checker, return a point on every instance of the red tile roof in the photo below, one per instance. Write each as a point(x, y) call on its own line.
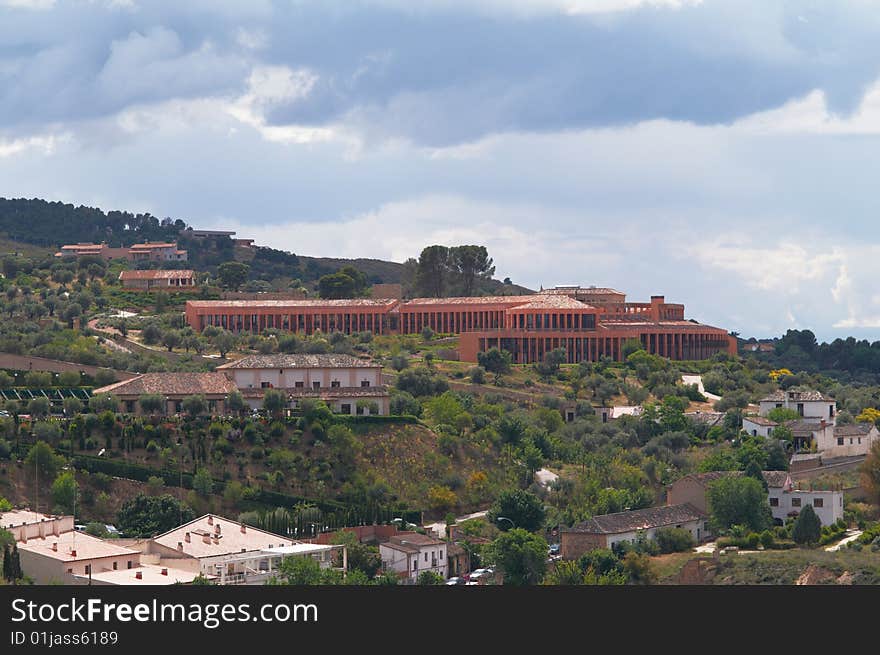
point(156, 275)
point(293, 304)
point(172, 384)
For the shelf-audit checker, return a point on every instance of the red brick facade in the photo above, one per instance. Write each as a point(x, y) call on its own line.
point(526, 326)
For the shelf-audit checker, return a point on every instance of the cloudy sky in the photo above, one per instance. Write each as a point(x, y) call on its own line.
point(724, 154)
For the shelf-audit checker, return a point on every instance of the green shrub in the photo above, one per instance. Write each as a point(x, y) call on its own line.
point(674, 540)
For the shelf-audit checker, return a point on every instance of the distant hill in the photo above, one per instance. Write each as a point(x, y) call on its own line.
point(49, 225)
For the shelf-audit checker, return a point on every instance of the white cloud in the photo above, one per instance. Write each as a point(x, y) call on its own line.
point(28, 4)
point(269, 86)
point(521, 238)
point(532, 7)
point(810, 114)
point(784, 267)
point(43, 144)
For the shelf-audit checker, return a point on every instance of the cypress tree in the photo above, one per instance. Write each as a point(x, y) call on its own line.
point(15, 567)
point(807, 527)
point(7, 563)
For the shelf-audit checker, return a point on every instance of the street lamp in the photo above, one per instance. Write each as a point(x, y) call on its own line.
point(504, 518)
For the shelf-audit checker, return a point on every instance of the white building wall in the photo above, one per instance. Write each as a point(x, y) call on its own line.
point(814, 410)
point(829, 445)
point(288, 378)
point(830, 511)
point(696, 528)
point(756, 429)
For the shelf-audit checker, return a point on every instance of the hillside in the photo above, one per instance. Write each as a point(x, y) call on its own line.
point(48, 225)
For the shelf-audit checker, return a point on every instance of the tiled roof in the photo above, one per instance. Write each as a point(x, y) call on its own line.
point(155, 274)
point(281, 361)
point(775, 479)
point(172, 384)
point(506, 301)
point(760, 420)
point(582, 291)
point(152, 245)
point(802, 428)
point(542, 301)
point(799, 396)
point(854, 430)
point(293, 304)
point(640, 519)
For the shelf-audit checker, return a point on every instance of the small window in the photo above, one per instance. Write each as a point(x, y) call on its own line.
point(365, 383)
point(839, 441)
point(345, 408)
point(264, 385)
point(316, 384)
point(860, 441)
point(795, 502)
point(334, 384)
point(128, 564)
point(88, 569)
point(774, 502)
point(850, 441)
point(298, 384)
point(115, 565)
point(818, 502)
point(426, 557)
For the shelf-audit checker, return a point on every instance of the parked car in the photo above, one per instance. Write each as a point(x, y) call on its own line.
point(456, 581)
point(554, 549)
point(478, 576)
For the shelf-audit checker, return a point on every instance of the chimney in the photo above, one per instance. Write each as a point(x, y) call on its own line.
point(55, 546)
point(217, 529)
point(164, 571)
point(206, 539)
point(186, 537)
point(210, 520)
point(179, 545)
point(243, 529)
point(73, 553)
point(139, 575)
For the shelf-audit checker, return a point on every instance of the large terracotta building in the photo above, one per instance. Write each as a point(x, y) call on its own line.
point(587, 322)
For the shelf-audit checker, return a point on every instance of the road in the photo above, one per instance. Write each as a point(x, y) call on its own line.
point(851, 535)
point(698, 380)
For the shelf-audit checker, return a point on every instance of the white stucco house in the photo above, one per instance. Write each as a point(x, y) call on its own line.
point(812, 406)
point(846, 440)
point(787, 502)
point(347, 384)
point(758, 425)
point(409, 554)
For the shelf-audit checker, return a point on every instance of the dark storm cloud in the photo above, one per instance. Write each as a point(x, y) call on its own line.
point(444, 74)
